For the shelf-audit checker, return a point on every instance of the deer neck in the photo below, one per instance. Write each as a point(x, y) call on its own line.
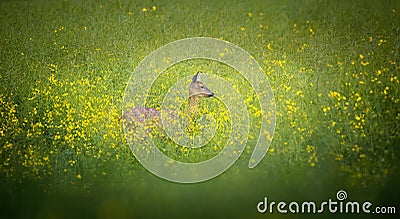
point(193, 102)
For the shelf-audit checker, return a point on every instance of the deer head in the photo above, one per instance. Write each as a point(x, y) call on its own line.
point(198, 89)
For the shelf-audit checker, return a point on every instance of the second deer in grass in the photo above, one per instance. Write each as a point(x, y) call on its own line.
point(144, 115)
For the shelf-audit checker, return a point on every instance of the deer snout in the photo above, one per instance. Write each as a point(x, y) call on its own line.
point(211, 95)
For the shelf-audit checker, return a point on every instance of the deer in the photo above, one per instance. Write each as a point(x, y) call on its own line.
point(150, 117)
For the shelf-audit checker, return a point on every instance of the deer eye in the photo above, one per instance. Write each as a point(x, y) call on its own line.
point(202, 87)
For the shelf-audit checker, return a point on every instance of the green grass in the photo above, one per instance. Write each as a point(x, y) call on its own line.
point(64, 65)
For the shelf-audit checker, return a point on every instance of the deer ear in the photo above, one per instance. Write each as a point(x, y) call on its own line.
point(196, 77)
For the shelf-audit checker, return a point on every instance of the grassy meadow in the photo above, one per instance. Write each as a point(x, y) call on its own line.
point(64, 66)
